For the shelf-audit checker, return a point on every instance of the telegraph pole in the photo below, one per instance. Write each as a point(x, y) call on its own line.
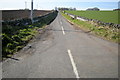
point(32, 11)
point(25, 5)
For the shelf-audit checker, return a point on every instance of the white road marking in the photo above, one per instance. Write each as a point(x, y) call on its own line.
point(63, 30)
point(60, 22)
point(73, 64)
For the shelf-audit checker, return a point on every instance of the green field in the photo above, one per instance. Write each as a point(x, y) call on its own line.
point(108, 33)
point(105, 16)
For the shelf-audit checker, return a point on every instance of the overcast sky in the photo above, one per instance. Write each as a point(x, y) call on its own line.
point(50, 4)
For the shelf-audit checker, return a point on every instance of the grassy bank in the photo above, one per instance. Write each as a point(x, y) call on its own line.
point(15, 37)
point(104, 32)
point(105, 16)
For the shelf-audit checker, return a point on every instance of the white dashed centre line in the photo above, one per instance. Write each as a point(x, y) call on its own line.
point(63, 30)
point(73, 64)
point(60, 22)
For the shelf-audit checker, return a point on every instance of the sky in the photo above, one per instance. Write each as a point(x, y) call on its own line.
point(51, 4)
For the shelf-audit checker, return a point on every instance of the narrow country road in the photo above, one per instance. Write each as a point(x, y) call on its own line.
point(64, 52)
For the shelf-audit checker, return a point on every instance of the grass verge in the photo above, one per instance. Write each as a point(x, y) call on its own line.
point(105, 32)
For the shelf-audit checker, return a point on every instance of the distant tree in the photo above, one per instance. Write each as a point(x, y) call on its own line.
point(56, 8)
point(74, 9)
point(66, 8)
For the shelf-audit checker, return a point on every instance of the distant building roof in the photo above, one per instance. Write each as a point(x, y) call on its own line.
point(94, 9)
point(115, 9)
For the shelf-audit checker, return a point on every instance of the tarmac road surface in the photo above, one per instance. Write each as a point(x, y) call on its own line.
point(64, 52)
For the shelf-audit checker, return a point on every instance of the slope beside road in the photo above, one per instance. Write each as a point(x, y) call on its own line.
point(64, 52)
